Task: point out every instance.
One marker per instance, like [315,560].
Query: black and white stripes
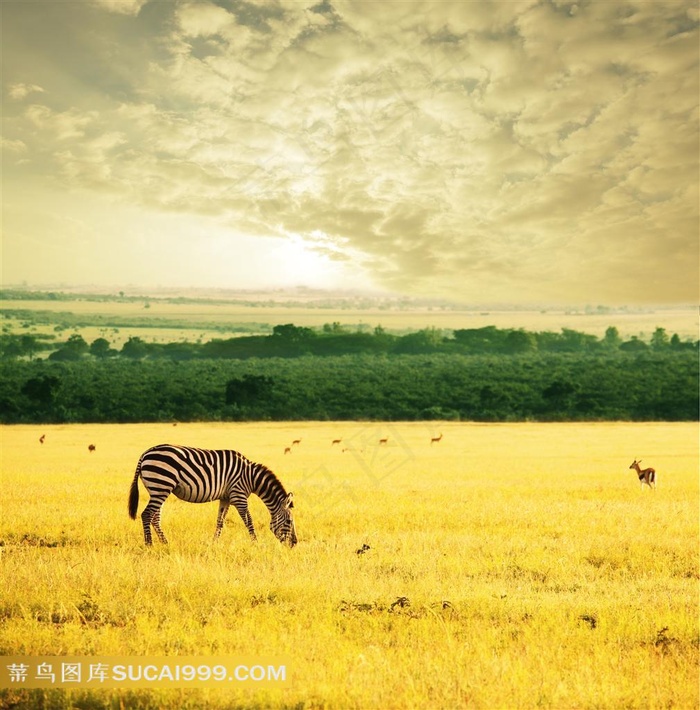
[204,475]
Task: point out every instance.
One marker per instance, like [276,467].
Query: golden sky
[521,152]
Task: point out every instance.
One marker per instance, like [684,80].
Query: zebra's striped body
[204,475]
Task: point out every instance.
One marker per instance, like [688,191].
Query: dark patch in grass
[260,599]
[364,607]
[663,642]
[56,616]
[530,575]
[87,613]
[401,602]
[590,619]
[33,540]
[401,606]
[90,611]
[9,611]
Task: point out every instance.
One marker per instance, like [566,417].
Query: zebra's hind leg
[151,516]
[156,526]
[146,520]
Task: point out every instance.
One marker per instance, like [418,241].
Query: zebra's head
[282,523]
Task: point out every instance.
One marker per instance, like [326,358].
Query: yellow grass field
[509,566]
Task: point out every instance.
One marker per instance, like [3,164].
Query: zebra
[203,475]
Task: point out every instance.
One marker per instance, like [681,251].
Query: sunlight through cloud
[509,151]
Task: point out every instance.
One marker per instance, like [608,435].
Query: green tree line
[334,340]
[636,385]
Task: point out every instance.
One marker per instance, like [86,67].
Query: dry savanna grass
[515,565]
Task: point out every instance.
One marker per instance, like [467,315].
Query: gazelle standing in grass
[646,475]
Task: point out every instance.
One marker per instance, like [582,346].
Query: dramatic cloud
[489,151]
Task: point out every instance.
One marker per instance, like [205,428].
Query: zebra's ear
[289,502]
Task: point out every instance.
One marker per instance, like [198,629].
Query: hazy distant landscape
[161,315]
[69,357]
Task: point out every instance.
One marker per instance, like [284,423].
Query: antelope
[91,448]
[335,441]
[296,441]
[287,450]
[436,439]
[41,438]
[384,441]
[646,475]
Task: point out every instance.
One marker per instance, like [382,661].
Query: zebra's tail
[134,492]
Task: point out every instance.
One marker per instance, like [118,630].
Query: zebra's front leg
[221,518]
[242,508]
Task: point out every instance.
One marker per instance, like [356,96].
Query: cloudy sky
[534,151]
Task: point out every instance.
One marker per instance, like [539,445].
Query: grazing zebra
[203,475]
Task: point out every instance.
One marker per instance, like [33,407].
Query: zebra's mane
[269,480]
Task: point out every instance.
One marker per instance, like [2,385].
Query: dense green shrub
[645,385]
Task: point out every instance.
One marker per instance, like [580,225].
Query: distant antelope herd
[647,476]
[91,447]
